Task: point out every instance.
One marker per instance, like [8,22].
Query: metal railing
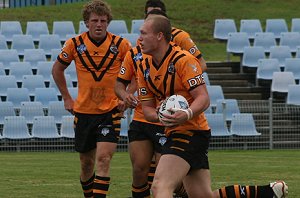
[278,123]
[25,3]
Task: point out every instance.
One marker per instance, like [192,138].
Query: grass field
[50,175]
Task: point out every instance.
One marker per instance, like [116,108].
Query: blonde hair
[96,6]
[161,24]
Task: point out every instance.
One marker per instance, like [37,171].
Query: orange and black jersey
[178,73]
[97,67]
[183,39]
[128,71]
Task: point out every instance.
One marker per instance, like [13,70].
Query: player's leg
[198,180]
[107,136]
[273,190]
[85,144]
[159,139]
[104,155]
[87,175]
[198,184]
[157,136]
[170,171]
[141,151]
[140,155]
[152,169]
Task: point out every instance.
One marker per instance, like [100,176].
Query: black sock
[87,187]
[101,185]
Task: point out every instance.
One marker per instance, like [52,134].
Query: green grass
[195,16]
[51,175]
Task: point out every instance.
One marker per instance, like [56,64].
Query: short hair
[96,6]
[156,12]
[155,3]
[161,24]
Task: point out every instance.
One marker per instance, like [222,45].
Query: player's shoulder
[177,31]
[118,38]
[180,51]
[182,55]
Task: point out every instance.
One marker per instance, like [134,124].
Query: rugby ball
[175,102]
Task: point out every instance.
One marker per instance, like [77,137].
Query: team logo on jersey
[65,55]
[98,94]
[146,74]
[162,140]
[195,69]
[113,48]
[81,48]
[193,50]
[157,77]
[105,131]
[171,68]
[138,57]
[197,80]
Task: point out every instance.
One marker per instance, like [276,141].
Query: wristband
[188,112]
[191,113]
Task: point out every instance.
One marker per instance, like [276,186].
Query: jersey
[97,67]
[128,71]
[183,39]
[179,73]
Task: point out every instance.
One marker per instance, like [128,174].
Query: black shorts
[145,131]
[192,146]
[93,128]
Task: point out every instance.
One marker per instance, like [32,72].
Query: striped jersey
[128,71]
[178,73]
[97,66]
[183,39]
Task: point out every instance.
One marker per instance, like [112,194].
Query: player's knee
[140,174]
[141,167]
[87,165]
[103,161]
[159,186]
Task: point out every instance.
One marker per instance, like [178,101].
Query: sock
[151,172]
[141,191]
[265,191]
[180,191]
[87,187]
[238,191]
[101,185]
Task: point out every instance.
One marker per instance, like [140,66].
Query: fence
[278,123]
[24,3]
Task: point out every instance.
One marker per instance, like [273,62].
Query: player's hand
[178,117]
[69,104]
[121,106]
[131,101]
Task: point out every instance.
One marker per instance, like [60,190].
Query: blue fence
[24,3]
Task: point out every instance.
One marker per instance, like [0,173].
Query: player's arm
[193,81]
[125,94]
[132,87]
[201,100]
[150,110]
[201,103]
[60,80]
[203,64]
[125,85]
